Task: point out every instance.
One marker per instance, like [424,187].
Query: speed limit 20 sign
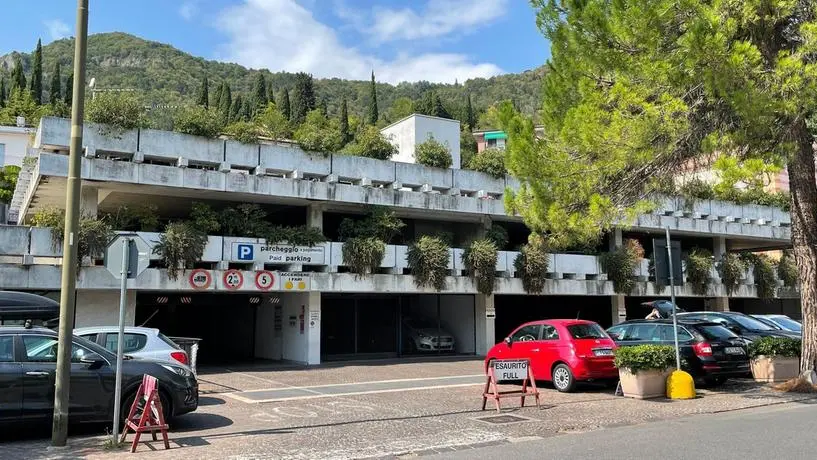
[264,280]
[233,279]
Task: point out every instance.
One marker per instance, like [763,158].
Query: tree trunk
[803,185]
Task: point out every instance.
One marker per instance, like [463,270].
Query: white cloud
[188,10]
[283,35]
[57,29]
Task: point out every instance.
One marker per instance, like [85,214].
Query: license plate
[734,351]
[603,352]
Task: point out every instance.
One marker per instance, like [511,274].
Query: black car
[741,324]
[28,361]
[709,351]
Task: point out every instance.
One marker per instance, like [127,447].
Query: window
[491,142]
[549,332]
[617,332]
[43,349]
[586,331]
[747,322]
[716,332]
[665,334]
[89,337]
[133,342]
[6,348]
[642,332]
[526,334]
[168,341]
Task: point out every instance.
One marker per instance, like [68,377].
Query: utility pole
[59,428]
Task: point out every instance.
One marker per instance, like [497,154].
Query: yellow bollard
[680,385]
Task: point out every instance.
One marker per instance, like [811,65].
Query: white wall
[416,129]
[267,341]
[303,347]
[401,135]
[13,141]
[101,308]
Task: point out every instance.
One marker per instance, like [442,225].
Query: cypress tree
[18,78]
[270,93]
[470,119]
[373,115]
[203,98]
[37,73]
[2,92]
[247,109]
[217,96]
[344,122]
[55,90]
[304,97]
[68,94]
[235,109]
[439,108]
[286,111]
[259,93]
[324,106]
[226,103]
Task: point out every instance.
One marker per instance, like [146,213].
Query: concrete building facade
[415,129]
[306,306]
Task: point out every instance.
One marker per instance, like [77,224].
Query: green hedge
[645,357]
[783,347]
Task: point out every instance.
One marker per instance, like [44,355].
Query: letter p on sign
[245,252]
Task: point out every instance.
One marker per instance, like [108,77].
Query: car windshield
[586,331]
[788,323]
[714,332]
[750,323]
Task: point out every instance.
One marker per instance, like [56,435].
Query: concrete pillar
[719,250]
[616,239]
[619,309]
[314,216]
[313,328]
[101,308]
[485,312]
[720,304]
[89,201]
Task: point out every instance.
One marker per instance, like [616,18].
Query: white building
[415,129]
[14,140]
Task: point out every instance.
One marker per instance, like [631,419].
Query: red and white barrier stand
[151,419]
[509,369]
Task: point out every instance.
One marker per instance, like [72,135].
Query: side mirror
[94,360]
[508,341]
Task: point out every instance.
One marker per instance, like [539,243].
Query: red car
[563,351]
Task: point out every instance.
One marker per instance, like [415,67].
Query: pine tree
[2,92]
[68,94]
[37,73]
[235,109]
[270,93]
[247,109]
[344,122]
[439,108]
[324,106]
[285,106]
[259,94]
[18,78]
[470,119]
[217,97]
[304,97]
[373,115]
[55,93]
[203,98]
[226,103]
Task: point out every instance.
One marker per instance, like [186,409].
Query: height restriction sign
[233,279]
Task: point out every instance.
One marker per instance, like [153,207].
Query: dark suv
[710,352]
[743,325]
[28,360]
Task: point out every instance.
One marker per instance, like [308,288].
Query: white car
[140,342]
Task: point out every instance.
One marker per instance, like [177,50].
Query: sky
[401,40]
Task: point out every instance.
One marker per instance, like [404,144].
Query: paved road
[770,432]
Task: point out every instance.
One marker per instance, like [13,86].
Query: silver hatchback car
[140,342]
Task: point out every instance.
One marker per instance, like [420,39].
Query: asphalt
[768,432]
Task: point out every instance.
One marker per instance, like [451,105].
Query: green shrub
[180,247]
[53,218]
[763,271]
[274,124]
[139,218]
[243,131]
[784,347]
[94,237]
[363,255]
[318,134]
[118,111]
[300,235]
[532,264]
[428,259]
[787,269]
[490,161]
[699,263]
[369,142]
[620,265]
[480,260]
[645,357]
[204,218]
[731,269]
[433,153]
[498,235]
[380,222]
[198,121]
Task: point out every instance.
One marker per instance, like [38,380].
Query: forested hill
[162,74]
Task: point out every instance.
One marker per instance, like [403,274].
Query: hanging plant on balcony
[620,265]
[92,239]
[787,269]
[363,255]
[498,235]
[731,268]
[51,218]
[763,271]
[180,247]
[428,259]
[532,264]
[479,259]
[699,263]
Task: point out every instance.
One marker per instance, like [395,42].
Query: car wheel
[563,378]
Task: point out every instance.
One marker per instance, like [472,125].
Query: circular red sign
[233,279]
[264,280]
[200,279]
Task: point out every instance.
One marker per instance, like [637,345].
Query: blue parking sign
[245,252]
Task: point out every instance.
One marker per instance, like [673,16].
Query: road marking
[353,393]
[307,388]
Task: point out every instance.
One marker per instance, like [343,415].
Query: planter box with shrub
[775,359]
[643,370]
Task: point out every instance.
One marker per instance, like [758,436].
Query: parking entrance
[513,310]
